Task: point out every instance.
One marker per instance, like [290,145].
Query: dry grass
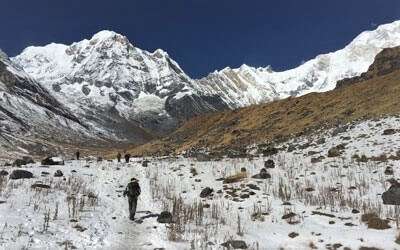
[235,178]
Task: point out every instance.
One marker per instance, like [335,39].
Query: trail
[144,232]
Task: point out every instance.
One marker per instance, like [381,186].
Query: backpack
[133,189]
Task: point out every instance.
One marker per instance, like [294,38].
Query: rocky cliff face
[29,114]
[385,62]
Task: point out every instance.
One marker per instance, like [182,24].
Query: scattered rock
[288,215]
[20,174]
[322,214]
[165,217]
[58,173]
[355,211]
[269,151]
[235,244]
[389,171]
[317,159]
[253,186]
[206,192]
[52,161]
[80,228]
[336,151]
[244,196]
[392,195]
[3,173]
[262,175]
[24,161]
[40,185]
[269,164]
[291,148]
[389,131]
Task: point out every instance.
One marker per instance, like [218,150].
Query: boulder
[58,173]
[3,173]
[269,151]
[52,161]
[253,186]
[392,196]
[165,217]
[336,151]
[389,171]
[40,185]
[235,244]
[24,161]
[269,164]
[262,175]
[206,192]
[20,174]
[389,131]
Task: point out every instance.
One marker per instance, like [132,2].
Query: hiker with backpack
[127,157]
[132,191]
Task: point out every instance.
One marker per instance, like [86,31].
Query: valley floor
[310,201]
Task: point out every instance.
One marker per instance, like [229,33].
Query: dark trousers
[132,207]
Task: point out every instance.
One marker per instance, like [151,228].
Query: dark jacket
[132,189]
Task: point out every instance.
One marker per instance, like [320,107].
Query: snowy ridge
[247,85]
[106,80]
[29,114]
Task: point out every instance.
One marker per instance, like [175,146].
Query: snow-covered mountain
[110,82]
[29,114]
[247,85]
[114,86]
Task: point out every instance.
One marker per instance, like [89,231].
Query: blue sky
[201,35]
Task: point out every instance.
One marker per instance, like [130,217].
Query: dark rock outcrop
[20,174]
[262,175]
[24,161]
[392,195]
[386,62]
[58,173]
[235,244]
[206,192]
[165,218]
[269,164]
[51,161]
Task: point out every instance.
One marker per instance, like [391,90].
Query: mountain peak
[105,34]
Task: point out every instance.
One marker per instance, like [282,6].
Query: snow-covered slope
[28,114]
[247,85]
[115,86]
[309,198]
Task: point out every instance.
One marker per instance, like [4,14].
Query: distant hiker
[132,191]
[119,157]
[127,157]
[78,154]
